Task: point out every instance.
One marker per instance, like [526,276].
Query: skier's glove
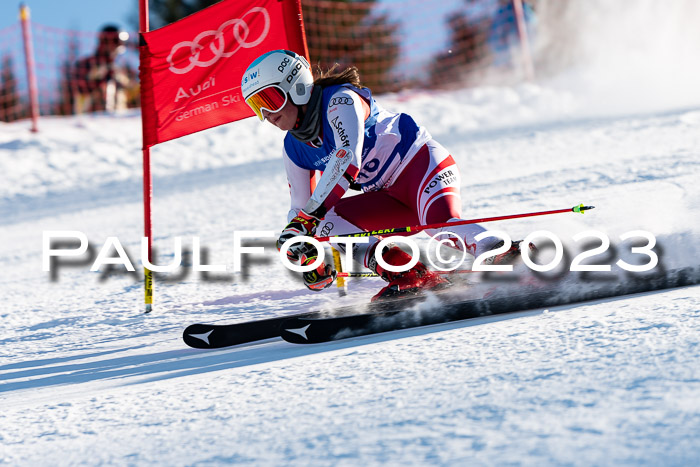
[302,225]
[320,278]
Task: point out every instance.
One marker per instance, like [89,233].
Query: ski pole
[419,228]
[357,274]
[371,274]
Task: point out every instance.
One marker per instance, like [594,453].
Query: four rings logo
[239,32]
[341,100]
[326,230]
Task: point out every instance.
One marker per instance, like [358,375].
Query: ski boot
[410,282]
[509,256]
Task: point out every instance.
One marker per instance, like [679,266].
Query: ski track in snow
[86,378]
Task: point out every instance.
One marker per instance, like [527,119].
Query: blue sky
[82,15]
[91,15]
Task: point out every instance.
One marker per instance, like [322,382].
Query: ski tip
[197,336]
[581,208]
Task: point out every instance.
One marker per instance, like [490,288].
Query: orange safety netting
[394,44]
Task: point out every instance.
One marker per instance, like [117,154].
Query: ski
[215,336]
[399,314]
[403,314]
[421,310]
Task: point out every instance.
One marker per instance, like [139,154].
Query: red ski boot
[409,282]
[509,256]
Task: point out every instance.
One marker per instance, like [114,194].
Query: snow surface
[87,378]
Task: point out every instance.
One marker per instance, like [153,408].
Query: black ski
[215,336]
[402,314]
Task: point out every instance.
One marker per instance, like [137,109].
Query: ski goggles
[271,98]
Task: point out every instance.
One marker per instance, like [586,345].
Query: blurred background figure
[99,83]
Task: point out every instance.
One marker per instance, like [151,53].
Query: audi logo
[341,100]
[240,31]
[326,230]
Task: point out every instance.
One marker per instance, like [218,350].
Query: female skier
[334,125]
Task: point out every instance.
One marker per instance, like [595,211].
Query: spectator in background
[98,82]
[503,33]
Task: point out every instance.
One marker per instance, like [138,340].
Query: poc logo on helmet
[283,65]
[283,68]
[294,72]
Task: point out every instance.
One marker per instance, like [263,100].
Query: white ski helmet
[282,68]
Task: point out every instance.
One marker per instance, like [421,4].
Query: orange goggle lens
[271,98]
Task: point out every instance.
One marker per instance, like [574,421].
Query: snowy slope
[87,378]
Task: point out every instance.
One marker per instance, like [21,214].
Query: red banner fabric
[191,70]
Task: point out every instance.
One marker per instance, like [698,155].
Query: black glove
[302,225]
[320,278]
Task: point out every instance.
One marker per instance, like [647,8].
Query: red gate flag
[191,70]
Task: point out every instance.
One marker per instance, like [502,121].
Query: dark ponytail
[328,78]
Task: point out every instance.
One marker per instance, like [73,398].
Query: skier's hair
[332,77]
